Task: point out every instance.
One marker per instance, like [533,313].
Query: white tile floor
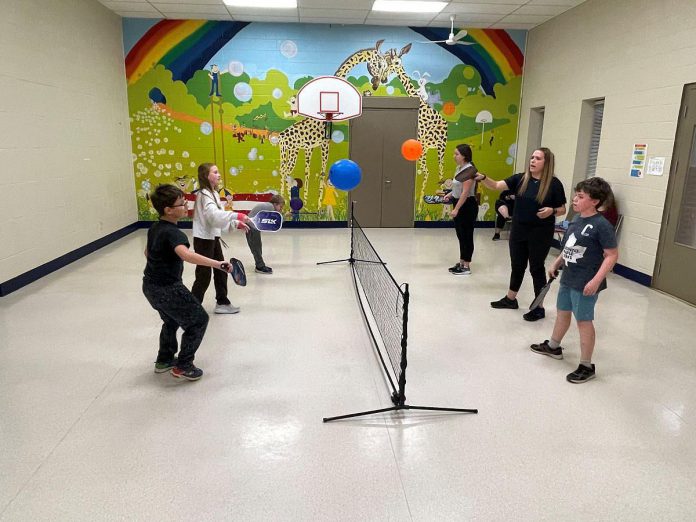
[89,432]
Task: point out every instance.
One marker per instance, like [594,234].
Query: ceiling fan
[453,39]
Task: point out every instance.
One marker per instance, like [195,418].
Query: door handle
[387,181]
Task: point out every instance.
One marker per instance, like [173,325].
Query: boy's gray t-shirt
[583,250]
[265,206]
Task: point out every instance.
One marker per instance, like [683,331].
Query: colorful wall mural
[225,92]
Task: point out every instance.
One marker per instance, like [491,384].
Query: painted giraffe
[432,128]
[308,134]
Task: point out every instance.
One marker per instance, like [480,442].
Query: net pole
[404,342]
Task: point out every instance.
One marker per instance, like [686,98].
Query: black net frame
[388,305]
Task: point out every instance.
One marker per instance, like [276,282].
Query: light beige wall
[65,167]
[637,54]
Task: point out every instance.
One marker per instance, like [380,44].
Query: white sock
[587,364]
[554,344]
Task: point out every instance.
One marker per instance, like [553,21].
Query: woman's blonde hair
[546,175]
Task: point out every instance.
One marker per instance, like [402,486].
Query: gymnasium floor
[89,432]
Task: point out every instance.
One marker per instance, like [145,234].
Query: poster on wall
[640,152]
[656,166]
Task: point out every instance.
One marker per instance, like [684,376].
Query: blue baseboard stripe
[32,275]
[633,275]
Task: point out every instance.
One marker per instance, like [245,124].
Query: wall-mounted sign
[640,152]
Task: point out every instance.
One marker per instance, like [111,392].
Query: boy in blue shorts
[588,254]
[167,249]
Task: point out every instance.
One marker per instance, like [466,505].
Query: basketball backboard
[329,98]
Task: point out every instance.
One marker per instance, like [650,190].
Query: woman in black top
[539,198]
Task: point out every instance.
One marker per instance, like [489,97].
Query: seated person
[503,210]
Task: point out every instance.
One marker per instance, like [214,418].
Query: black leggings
[529,245]
[209,248]
[464,226]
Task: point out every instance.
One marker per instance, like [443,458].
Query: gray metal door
[676,253]
[384,197]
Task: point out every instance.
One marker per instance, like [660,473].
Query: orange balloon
[411,149]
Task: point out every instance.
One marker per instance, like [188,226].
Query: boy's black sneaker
[496,236]
[505,303]
[190,373]
[161,367]
[545,349]
[461,270]
[582,374]
[264,270]
[535,315]
[455,267]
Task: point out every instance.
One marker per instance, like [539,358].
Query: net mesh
[384,297]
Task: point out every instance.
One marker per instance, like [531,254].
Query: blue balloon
[345,174]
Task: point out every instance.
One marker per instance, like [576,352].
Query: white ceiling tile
[190,2]
[138,14]
[467,25]
[188,8]
[336,4]
[196,16]
[462,20]
[513,26]
[238,12]
[550,10]
[332,21]
[526,19]
[266,18]
[332,13]
[569,3]
[130,6]
[501,9]
[491,2]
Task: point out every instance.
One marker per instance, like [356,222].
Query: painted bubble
[206,128]
[337,136]
[288,48]
[242,91]
[277,93]
[236,68]
[253,154]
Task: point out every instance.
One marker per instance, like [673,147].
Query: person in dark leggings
[539,198]
[463,197]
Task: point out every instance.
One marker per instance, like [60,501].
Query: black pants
[464,226]
[529,245]
[178,308]
[209,248]
[253,238]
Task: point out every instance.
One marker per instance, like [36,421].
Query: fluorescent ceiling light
[263,4]
[404,6]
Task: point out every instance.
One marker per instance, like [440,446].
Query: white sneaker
[226,309]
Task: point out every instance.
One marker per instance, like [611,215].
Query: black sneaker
[455,267]
[545,349]
[461,270]
[496,237]
[582,374]
[161,367]
[264,270]
[535,315]
[190,373]
[505,303]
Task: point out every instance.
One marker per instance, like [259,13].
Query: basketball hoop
[328,121]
